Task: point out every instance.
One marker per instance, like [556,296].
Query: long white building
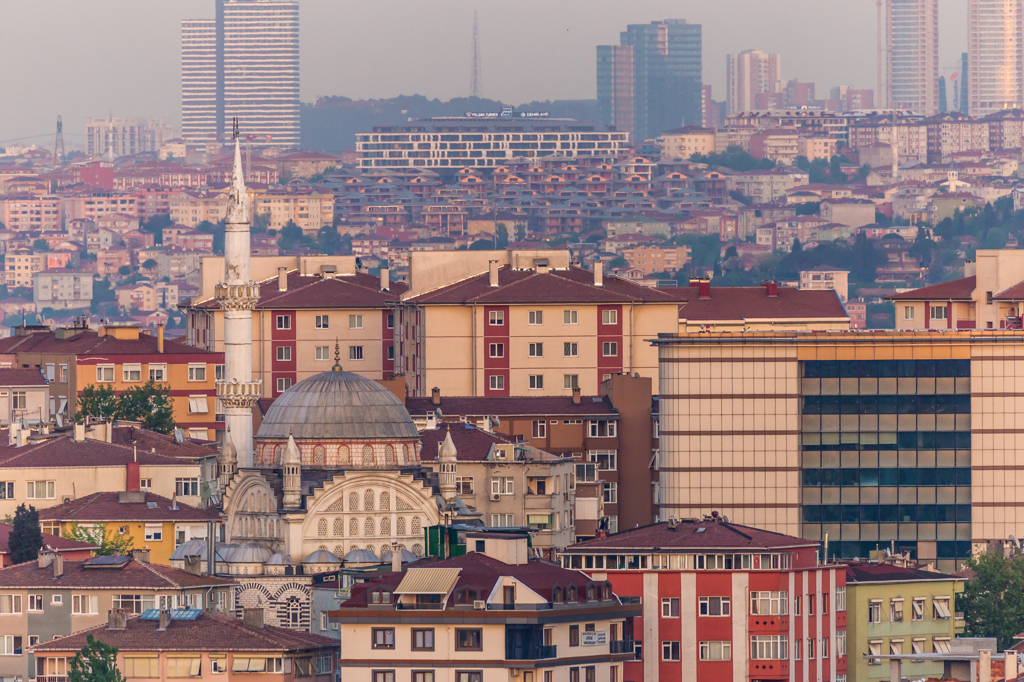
[912,55]
[125,136]
[748,74]
[199,80]
[995,55]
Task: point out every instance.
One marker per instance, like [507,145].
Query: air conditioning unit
[480,605]
[514,672]
[495,497]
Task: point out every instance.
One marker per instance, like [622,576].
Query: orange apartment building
[652,259]
[31,212]
[95,204]
[310,209]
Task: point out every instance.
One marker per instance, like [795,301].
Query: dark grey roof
[337,404]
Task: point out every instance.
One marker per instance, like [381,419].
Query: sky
[97,57]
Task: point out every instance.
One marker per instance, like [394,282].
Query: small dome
[406,555]
[224,550]
[280,559]
[321,556]
[189,548]
[337,404]
[250,553]
[361,556]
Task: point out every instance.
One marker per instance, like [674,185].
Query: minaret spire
[237,296]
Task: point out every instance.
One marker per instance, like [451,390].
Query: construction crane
[58,145]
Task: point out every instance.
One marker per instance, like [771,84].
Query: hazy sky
[93,57]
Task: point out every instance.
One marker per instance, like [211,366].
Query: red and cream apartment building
[723,601]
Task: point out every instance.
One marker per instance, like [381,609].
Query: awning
[428,581]
[942,608]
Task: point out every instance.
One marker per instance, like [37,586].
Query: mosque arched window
[321,528]
[353,527]
[385,526]
[385,501]
[417,525]
[368,500]
[367,455]
[401,526]
[339,527]
[368,527]
[353,502]
[319,455]
[389,455]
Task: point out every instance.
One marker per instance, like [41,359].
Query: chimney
[45,559]
[493,268]
[985,665]
[192,565]
[385,279]
[703,287]
[117,619]
[160,338]
[253,618]
[132,483]
[598,273]
[23,437]
[396,559]
[772,287]
[1010,664]
[79,433]
[12,433]
[282,279]
[435,396]
[575,395]
[165,620]
[58,564]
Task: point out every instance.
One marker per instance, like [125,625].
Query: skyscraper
[255,67]
[912,55]
[199,79]
[995,79]
[665,92]
[750,73]
[615,85]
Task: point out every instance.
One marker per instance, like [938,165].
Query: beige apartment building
[62,289]
[652,259]
[682,143]
[93,205]
[20,267]
[825,277]
[310,209]
[30,212]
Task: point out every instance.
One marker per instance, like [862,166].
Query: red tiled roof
[754,303]
[158,443]
[131,574]
[50,541]
[511,406]
[572,285]
[1014,293]
[688,535]
[472,443]
[107,507]
[63,451]
[866,572]
[21,377]
[89,342]
[359,290]
[208,632]
[958,289]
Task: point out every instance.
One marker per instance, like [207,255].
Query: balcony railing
[621,646]
[51,678]
[532,653]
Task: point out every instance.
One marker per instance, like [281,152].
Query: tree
[501,236]
[993,600]
[808,208]
[149,404]
[109,543]
[261,222]
[291,234]
[96,662]
[735,158]
[329,240]
[41,245]
[97,401]
[149,264]
[836,170]
[124,271]
[26,539]
[156,225]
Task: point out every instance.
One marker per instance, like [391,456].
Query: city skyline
[514,71]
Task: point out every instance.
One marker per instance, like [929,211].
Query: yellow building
[652,259]
[310,209]
[682,143]
[191,207]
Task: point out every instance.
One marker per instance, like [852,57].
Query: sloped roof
[131,574]
[471,443]
[693,534]
[1014,293]
[869,572]
[51,541]
[512,406]
[89,342]
[21,377]
[106,506]
[63,451]
[754,303]
[958,289]
[359,290]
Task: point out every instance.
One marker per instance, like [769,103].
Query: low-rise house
[24,394]
[71,550]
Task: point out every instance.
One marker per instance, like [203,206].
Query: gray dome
[250,553]
[280,559]
[321,556]
[361,556]
[406,555]
[189,548]
[337,404]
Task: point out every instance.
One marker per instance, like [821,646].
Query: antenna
[58,145]
[475,86]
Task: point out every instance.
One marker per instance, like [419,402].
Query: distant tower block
[476,86]
[58,145]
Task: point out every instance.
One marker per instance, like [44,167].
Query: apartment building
[24,394]
[125,136]
[483,614]
[93,204]
[51,598]
[71,550]
[62,289]
[31,212]
[310,209]
[912,55]
[682,143]
[748,74]
[724,601]
[781,146]
[826,277]
[995,56]
[652,259]
[21,265]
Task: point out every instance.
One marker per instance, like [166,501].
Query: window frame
[126,371]
[197,372]
[425,632]
[570,317]
[283,322]
[355,353]
[670,650]
[612,346]
[536,349]
[609,318]
[496,318]
[536,382]
[284,353]
[570,349]
[535,318]
[461,645]
[322,322]
[379,638]
[102,370]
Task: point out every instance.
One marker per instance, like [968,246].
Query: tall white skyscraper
[255,68]
[995,55]
[912,55]
[750,73]
[199,80]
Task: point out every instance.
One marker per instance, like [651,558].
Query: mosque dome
[337,404]
[250,553]
[361,556]
[406,555]
[280,559]
[321,556]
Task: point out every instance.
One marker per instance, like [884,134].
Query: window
[875,649]
[797,651]
[63,374]
[768,603]
[422,676]
[540,428]
[714,606]
[383,638]
[810,648]
[145,666]
[154,533]
[536,317]
[284,353]
[197,372]
[185,487]
[824,647]
[606,459]
[941,645]
[570,350]
[464,485]
[423,639]
[940,607]
[391,352]
[824,603]
[908,312]
[183,667]
[283,384]
[383,676]
[841,643]
[467,639]
[875,612]
[131,373]
[105,373]
[497,318]
[611,493]
[380,597]
[602,428]
[938,312]
[6,490]
[609,317]
[323,353]
[810,604]
[536,350]
[570,317]
[670,608]
[716,651]
[497,382]
[322,664]
[284,321]
[355,352]
[586,473]
[918,609]
[895,647]
[503,520]
[81,605]
[840,598]
[322,322]
[19,400]
[796,605]
[133,603]
[10,604]
[35,602]
[670,651]
[896,611]
[218,664]
[197,404]
[40,490]
[610,349]
[503,485]
[497,350]
[571,380]
[158,372]
[536,381]
[476,676]
[769,647]
[574,675]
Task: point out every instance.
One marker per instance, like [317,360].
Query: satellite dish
[1016,542]
[179,435]
[495,421]
[39,318]
[438,414]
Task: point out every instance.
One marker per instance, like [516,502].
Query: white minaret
[237,296]
[447,457]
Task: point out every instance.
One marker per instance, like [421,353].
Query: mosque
[332,478]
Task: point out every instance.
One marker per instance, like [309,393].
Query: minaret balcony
[236,393]
[237,296]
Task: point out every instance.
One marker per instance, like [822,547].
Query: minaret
[237,296]
[292,465]
[447,457]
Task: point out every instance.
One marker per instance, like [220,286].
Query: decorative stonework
[237,296]
[242,394]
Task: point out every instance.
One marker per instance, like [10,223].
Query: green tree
[501,236]
[149,404]
[156,225]
[217,230]
[26,539]
[808,208]
[109,543]
[124,271]
[41,245]
[835,169]
[731,252]
[481,245]
[97,401]
[735,158]
[328,240]
[96,662]
[149,264]
[260,222]
[993,600]
[291,235]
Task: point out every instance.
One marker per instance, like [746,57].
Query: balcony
[531,653]
[621,646]
[51,678]
[769,670]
